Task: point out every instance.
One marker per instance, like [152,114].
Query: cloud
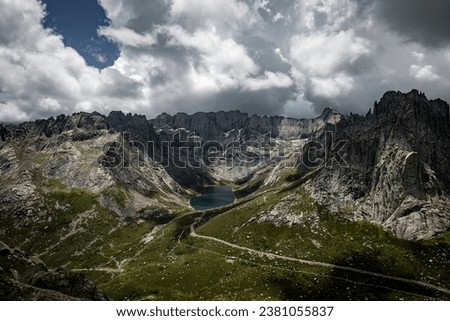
[267,81]
[328,15]
[291,57]
[332,87]
[425,73]
[224,14]
[201,62]
[323,54]
[328,64]
[418,55]
[426,22]
[222,60]
[127,37]
[140,16]
[14,27]
[101,58]
[36,67]
[41,77]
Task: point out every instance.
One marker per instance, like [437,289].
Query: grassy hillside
[140,258]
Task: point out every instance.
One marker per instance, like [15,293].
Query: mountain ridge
[409,122]
[371,193]
[406,134]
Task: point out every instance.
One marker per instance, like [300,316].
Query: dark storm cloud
[427,22]
[260,102]
[124,87]
[264,52]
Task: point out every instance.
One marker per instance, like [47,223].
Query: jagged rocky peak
[161,120]
[397,170]
[222,120]
[212,125]
[84,120]
[136,125]
[330,115]
[395,102]
[235,124]
[89,123]
[120,121]
[229,120]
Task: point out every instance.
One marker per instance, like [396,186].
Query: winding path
[316,263]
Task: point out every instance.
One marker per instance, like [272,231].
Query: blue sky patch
[77,21]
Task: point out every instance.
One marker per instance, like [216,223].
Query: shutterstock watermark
[189,151]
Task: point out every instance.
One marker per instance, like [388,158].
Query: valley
[367,219]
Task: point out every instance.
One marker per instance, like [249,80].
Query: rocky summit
[397,167]
[336,207]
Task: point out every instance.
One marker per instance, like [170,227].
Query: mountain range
[336,207]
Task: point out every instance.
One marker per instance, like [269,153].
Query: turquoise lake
[212,197]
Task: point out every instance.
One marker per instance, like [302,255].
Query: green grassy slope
[130,259]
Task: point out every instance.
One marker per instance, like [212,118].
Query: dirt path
[316,263]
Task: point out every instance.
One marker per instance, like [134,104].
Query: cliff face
[240,137]
[234,125]
[398,166]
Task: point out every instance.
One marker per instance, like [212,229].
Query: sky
[77,21]
[283,57]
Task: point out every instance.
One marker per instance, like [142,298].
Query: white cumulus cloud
[425,73]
